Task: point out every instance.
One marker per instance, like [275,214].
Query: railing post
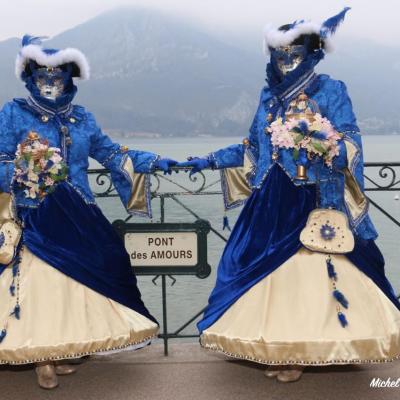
[164,287]
[164,304]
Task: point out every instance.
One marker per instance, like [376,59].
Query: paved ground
[190,373]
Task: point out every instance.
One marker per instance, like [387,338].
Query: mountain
[152,72]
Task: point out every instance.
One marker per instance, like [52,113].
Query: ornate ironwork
[379,176]
[388,173]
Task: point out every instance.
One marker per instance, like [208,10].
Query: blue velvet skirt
[75,238]
[267,234]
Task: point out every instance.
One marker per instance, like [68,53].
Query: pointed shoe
[273,370]
[46,376]
[65,369]
[290,375]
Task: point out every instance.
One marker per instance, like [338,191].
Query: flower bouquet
[313,134]
[38,167]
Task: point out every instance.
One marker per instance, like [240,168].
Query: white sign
[168,249]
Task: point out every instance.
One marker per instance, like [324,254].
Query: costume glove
[197,164]
[165,164]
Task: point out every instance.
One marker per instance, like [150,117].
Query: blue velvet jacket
[334,183]
[20,116]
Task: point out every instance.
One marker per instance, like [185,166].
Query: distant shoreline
[153,135]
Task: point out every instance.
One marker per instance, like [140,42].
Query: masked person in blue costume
[301,281]
[68,289]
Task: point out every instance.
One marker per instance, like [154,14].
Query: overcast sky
[376,20]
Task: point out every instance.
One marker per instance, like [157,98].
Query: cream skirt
[290,317]
[61,318]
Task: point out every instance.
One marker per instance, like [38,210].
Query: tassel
[331,269]
[342,319]
[3,334]
[12,289]
[226,224]
[17,311]
[340,298]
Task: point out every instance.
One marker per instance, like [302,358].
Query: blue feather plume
[340,298]
[28,39]
[303,126]
[3,334]
[319,135]
[331,270]
[17,311]
[342,319]
[295,23]
[331,24]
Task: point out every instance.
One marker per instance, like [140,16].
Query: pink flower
[48,181]
[43,163]
[282,139]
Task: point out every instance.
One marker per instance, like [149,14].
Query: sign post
[166,249]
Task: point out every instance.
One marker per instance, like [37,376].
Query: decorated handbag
[327,231]
[10,232]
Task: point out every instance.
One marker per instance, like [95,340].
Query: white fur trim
[36,53]
[276,38]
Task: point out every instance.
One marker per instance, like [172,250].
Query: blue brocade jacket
[129,168]
[340,187]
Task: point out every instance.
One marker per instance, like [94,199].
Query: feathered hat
[32,50]
[276,38]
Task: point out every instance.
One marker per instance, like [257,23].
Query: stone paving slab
[190,373]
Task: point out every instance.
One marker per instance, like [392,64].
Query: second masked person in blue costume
[69,290]
[295,287]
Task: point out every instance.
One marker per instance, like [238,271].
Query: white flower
[30,193]
[32,176]
[56,158]
[54,169]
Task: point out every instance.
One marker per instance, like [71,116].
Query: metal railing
[379,177]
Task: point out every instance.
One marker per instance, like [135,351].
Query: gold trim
[295,362]
[79,355]
[137,200]
[355,199]
[5,207]
[236,183]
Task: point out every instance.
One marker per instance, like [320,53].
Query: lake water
[189,294]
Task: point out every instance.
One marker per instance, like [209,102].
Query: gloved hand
[196,163]
[165,164]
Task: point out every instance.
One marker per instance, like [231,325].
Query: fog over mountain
[152,72]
